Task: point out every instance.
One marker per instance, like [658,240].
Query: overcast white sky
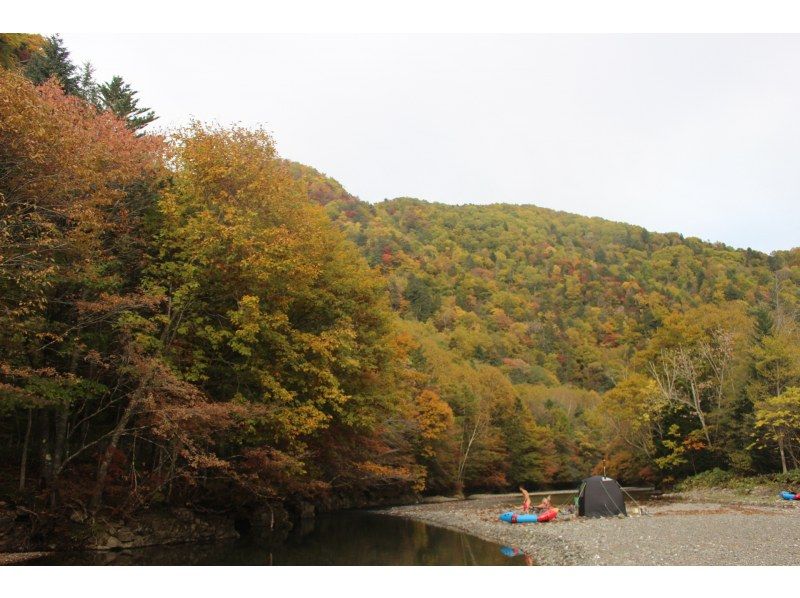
[699,135]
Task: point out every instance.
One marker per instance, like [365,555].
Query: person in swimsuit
[526,500]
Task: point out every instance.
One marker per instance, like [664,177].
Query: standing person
[526,500]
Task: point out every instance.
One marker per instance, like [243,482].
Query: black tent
[600,496]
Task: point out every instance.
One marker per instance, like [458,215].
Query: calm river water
[345,538]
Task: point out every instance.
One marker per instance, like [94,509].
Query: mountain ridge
[335,187]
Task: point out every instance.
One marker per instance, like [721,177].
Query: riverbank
[17,558]
[676,530]
[26,534]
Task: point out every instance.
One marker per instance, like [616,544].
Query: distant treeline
[189,318]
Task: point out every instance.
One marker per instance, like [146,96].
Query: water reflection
[350,538]
[516,553]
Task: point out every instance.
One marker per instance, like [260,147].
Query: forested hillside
[191,319]
[665,354]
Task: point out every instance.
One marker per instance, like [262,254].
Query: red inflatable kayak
[547,515]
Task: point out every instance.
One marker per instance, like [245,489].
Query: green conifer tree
[118,97]
[89,90]
[54,61]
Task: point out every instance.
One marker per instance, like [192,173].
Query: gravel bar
[671,533]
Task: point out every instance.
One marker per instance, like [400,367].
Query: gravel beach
[678,531]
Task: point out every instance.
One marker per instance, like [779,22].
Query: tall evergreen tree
[54,61]
[118,97]
[89,89]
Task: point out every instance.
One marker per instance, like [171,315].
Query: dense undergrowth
[719,478]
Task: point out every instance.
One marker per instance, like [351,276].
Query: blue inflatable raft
[788,495]
[511,517]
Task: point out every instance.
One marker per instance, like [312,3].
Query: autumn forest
[188,318]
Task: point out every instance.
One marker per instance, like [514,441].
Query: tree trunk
[62,421]
[783,454]
[60,439]
[705,428]
[173,461]
[45,452]
[791,453]
[462,466]
[102,470]
[59,442]
[23,465]
[699,410]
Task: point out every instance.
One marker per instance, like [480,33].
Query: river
[344,538]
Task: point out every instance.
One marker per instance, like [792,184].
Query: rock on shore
[16,558]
